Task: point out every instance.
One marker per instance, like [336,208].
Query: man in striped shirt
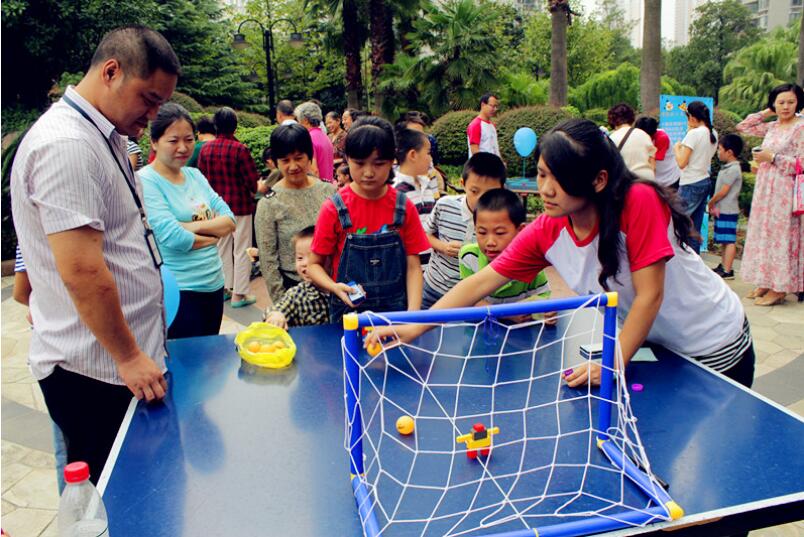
[449,226]
[97,293]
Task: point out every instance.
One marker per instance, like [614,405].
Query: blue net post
[351,339]
[607,371]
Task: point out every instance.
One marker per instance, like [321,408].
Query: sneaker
[723,273]
[247,301]
[227,294]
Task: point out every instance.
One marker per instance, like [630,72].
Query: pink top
[323,154]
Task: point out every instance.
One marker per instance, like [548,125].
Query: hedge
[186,101]
[540,119]
[747,193]
[450,131]
[598,115]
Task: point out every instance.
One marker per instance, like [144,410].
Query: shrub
[725,122]
[250,120]
[747,193]
[186,101]
[539,118]
[598,115]
[450,131]
[18,118]
[256,139]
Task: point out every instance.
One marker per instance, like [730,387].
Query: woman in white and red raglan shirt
[602,229]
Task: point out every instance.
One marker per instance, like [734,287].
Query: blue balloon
[525,141]
[172,296]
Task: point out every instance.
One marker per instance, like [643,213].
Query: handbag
[798,190]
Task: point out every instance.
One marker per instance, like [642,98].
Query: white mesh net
[544,467]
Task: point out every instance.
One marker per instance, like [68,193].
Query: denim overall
[376,261]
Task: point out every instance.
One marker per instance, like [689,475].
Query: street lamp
[239,42]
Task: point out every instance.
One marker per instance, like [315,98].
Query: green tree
[618,85]
[611,16]
[721,29]
[458,56]
[59,36]
[756,69]
[523,89]
[589,47]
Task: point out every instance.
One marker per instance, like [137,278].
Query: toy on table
[265,345]
[356,297]
[405,425]
[478,441]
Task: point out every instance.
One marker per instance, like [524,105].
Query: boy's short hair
[647,124]
[731,142]
[266,154]
[286,139]
[502,199]
[306,233]
[406,140]
[285,107]
[205,125]
[485,165]
[484,99]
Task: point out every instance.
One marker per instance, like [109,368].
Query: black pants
[199,314]
[88,412]
[743,371]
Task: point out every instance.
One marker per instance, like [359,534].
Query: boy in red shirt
[370,231]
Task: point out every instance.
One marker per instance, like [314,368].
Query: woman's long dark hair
[576,151]
[700,111]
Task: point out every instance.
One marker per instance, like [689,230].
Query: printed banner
[673,114]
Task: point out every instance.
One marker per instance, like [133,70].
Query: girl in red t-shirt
[602,229]
[369,231]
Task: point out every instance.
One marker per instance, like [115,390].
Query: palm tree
[650,75]
[754,71]
[560,14]
[381,26]
[458,56]
[351,38]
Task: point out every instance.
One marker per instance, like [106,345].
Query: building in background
[770,14]
[237,6]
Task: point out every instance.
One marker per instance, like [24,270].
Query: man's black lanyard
[150,240]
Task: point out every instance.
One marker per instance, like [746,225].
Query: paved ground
[29,494]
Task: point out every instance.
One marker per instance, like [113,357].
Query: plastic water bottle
[81,509]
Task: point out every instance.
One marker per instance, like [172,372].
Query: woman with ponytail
[605,230]
[694,155]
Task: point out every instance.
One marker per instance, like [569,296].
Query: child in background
[342,176]
[499,217]
[274,174]
[451,224]
[602,230]
[724,205]
[303,304]
[370,231]
[413,157]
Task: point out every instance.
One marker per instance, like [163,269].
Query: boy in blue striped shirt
[450,225]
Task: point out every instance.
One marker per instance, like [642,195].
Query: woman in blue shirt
[188,218]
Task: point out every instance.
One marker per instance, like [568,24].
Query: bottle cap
[75,472]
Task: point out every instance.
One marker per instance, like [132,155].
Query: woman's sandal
[770,299]
[758,292]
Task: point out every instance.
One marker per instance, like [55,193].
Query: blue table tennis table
[238,451]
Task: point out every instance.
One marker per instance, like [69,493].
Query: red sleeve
[645,220]
[325,237]
[473,131]
[662,143]
[524,258]
[413,236]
